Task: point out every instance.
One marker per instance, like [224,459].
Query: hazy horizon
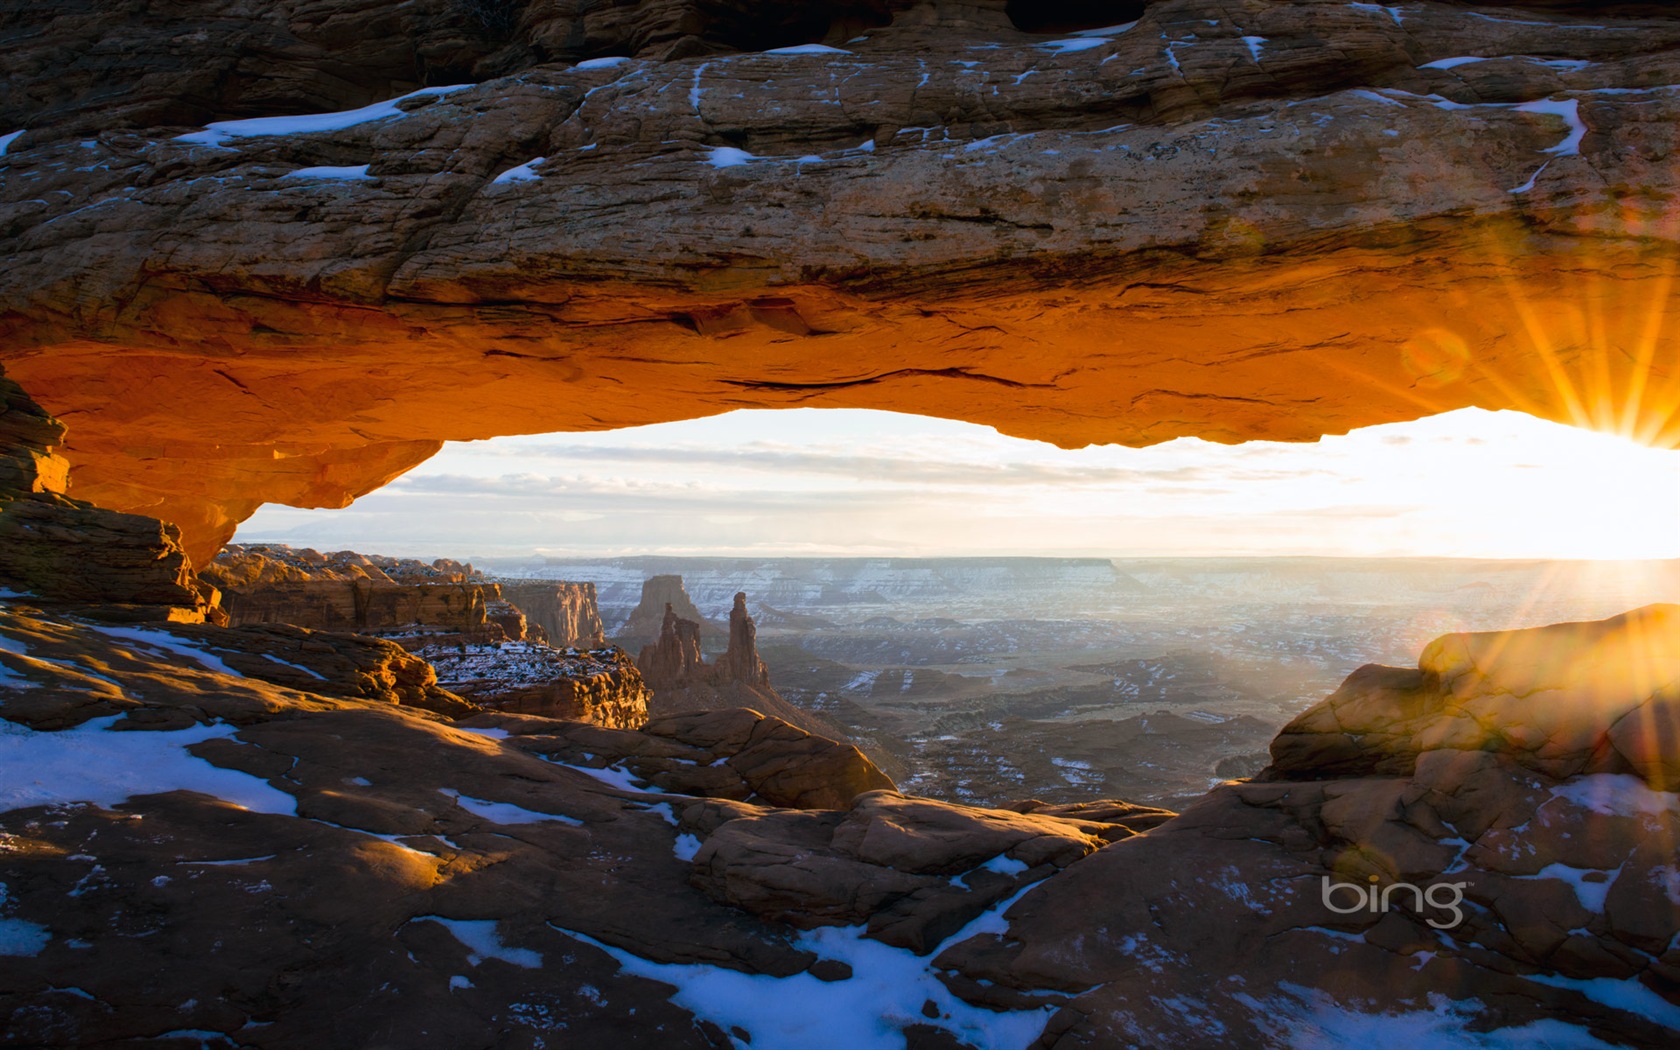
[852,483]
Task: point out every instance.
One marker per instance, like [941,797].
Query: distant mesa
[647,620]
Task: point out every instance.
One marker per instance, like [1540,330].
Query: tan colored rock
[740,662]
[662,596]
[1569,699]
[1153,236]
[674,661]
[914,870]
[683,683]
[60,549]
[737,754]
[567,613]
[601,686]
[783,764]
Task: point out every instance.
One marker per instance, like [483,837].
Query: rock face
[527,873]
[913,870]
[58,548]
[1565,700]
[733,753]
[683,683]
[417,602]
[674,661]
[567,613]
[1272,219]
[245,565]
[342,665]
[661,596]
[601,686]
[740,662]
[1487,809]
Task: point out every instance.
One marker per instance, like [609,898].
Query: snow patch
[479,937]
[6,141]
[1452,63]
[1617,795]
[686,847]
[867,1011]
[1254,44]
[728,157]
[305,123]
[1313,1019]
[338,173]
[807,49]
[1590,892]
[18,937]
[1570,111]
[519,173]
[1105,31]
[1082,43]
[169,643]
[295,667]
[505,812]
[602,63]
[91,763]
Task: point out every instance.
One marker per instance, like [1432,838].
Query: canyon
[272,798]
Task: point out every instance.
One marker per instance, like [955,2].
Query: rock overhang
[1278,221]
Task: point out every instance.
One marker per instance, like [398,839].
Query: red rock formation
[740,662]
[601,686]
[661,595]
[683,683]
[567,613]
[674,661]
[61,549]
[1303,220]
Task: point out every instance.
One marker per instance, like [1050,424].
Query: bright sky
[853,482]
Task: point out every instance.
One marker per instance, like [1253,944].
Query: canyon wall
[567,612]
[1258,220]
[61,549]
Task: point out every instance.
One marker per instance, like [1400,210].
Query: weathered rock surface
[740,661]
[732,753]
[914,871]
[662,597]
[245,565]
[57,548]
[675,660]
[383,880]
[683,683]
[520,877]
[1238,220]
[567,613]
[601,686]
[1565,700]
[1226,919]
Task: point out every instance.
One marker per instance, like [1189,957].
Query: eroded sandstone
[1257,220]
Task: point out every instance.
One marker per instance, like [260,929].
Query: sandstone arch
[1266,220]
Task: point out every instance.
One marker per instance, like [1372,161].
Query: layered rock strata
[731,753]
[662,596]
[567,613]
[1259,220]
[56,548]
[682,682]
[601,686]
